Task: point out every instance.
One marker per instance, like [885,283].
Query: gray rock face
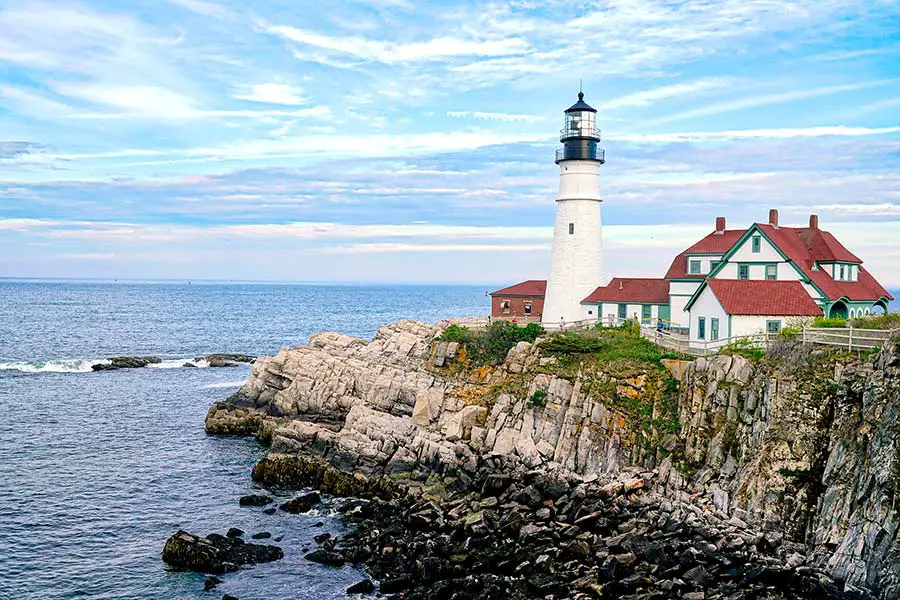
[806,450]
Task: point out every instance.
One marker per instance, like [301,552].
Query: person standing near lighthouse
[576,256]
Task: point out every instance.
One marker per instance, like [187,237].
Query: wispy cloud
[272,93]
[675,90]
[765,100]
[492,116]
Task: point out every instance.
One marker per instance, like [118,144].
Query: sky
[413,141]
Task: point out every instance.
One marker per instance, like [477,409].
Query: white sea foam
[177,363]
[224,384]
[75,365]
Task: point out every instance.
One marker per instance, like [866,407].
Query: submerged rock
[332,559]
[215,553]
[255,500]
[363,587]
[301,504]
[127,362]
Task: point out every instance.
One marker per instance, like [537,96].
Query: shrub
[885,321]
[607,345]
[455,333]
[833,322]
[538,399]
[492,344]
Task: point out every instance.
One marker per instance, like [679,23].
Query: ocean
[98,469]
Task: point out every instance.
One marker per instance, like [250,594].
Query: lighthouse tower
[576,257]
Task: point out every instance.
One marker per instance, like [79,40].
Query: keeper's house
[737,282]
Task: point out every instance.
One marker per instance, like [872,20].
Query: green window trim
[714,329]
[623,311]
[743,271]
[757,244]
[646,312]
[694,267]
[773,327]
[701,328]
[772,272]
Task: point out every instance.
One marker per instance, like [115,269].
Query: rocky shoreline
[718,478]
[115,363]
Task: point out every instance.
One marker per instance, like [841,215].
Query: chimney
[620,284]
[773,217]
[813,221]
[720,225]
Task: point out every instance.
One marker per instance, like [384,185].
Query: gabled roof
[806,246]
[761,297]
[630,289]
[714,243]
[532,288]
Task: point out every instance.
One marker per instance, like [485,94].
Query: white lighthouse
[576,257]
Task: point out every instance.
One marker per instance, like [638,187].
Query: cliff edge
[801,446]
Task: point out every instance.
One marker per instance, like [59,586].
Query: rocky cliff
[801,446]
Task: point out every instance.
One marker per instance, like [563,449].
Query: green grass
[608,345]
[744,347]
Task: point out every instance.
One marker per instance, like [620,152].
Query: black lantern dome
[580,136]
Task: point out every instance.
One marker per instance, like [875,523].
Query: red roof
[762,297]
[714,243]
[532,287]
[805,246]
[626,289]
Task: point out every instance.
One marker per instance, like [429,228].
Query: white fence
[851,338]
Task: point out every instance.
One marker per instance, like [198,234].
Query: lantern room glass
[581,124]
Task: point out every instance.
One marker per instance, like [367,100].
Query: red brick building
[523,302]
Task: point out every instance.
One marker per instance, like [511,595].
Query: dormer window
[843,273]
[756,244]
[694,267]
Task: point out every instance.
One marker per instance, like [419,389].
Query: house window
[713,329]
[773,327]
[756,243]
[504,305]
[645,312]
[842,273]
[714,265]
[701,328]
[623,311]
[695,267]
[743,271]
[571,228]
[528,308]
[771,272]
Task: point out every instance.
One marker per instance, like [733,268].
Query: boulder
[301,504]
[255,500]
[332,559]
[215,553]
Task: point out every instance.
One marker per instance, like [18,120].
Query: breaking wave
[75,365]
[224,384]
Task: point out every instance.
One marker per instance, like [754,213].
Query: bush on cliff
[490,346]
[607,345]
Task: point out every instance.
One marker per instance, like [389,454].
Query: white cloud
[203,7]
[426,247]
[492,116]
[765,100]
[437,48]
[651,96]
[744,134]
[147,100]
[272,93]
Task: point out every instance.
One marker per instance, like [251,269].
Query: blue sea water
[97,469]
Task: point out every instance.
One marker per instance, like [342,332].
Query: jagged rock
[214,553]
[210,583]
[234,532]
[801,450]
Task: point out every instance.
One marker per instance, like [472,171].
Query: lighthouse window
[528,308]
[571,228]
